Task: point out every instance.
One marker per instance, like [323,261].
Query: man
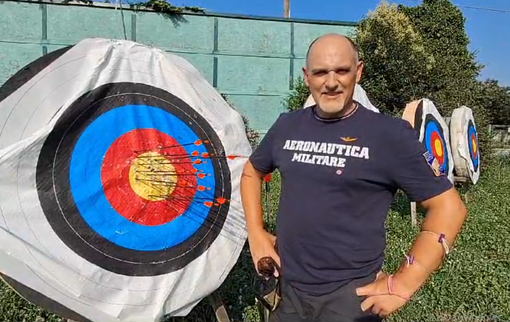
[341,165]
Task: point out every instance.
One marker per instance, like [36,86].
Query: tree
[454,74]
[496,100]
[422,51]
[397,62]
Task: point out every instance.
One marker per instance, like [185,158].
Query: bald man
[341,165]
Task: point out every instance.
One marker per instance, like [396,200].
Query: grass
[472,285]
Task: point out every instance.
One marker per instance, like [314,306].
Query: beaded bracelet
[442,240]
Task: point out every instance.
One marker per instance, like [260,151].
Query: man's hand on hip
[378,300]
[262,244]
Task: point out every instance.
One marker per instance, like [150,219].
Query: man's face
[331,74]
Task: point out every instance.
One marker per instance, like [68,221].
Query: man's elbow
[250,173]
[458,207]
[449,204]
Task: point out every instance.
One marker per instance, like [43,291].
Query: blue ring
[87,186]
[471,131]
[430,128]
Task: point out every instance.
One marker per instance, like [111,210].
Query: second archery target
[465,147]
[120,199]
[433,132]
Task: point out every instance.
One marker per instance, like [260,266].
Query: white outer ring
[464,166]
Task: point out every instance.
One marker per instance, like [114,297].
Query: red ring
[473,142]
[433,138]
[117,187]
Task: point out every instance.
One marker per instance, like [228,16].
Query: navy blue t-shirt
[339,179]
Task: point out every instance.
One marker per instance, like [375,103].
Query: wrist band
[442,240]
[390,289]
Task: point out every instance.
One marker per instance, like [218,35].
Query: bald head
[332,70]
[329,41]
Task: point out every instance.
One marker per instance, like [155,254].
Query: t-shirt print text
[324,153]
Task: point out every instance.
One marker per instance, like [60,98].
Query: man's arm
[413,172]
[445,214]
[251,194]
[260,163]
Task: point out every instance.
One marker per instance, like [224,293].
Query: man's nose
[331,81]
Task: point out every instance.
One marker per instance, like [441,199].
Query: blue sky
[488,30]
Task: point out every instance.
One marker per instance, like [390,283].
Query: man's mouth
[332,94]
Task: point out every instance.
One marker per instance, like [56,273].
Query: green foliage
[397,63]
[416,52]
[14,308]
[422,52]
[453,76]
[298,96]
[496,100]
[166,7]
[160,6]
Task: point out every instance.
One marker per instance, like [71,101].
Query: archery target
[121,192]
[360,95]
[434,133]
[465,148]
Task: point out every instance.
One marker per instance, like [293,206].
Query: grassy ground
[473,285]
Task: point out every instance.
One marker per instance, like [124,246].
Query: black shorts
[343,305]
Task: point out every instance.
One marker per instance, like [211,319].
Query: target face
[140,160]
[466,153]
[434,133]
[120,197]
[473,145]
[435,142]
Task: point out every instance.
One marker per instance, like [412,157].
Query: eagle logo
[348,139]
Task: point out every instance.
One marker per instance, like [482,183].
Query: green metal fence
[253,60]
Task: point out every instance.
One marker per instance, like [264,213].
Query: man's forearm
[427,251]
[251,195]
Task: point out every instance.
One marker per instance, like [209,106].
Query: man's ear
[359,71]
[305,74]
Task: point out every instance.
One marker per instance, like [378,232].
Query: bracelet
[412,260]
[442,240]
[390,289]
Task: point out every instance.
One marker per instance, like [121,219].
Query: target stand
[119,194]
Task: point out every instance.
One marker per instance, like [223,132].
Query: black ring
[56,199]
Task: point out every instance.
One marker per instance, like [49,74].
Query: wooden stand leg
[219,309]
[414,221]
